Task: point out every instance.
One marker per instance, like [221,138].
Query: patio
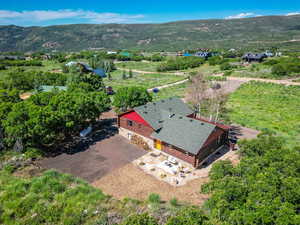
[174,171]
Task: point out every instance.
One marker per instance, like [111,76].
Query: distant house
[269,54]
[170,126]
[48,88]
[85,68]
[100,72]
[257,57]
[204,55]
[127,54]
[72,63]
[187,54]
[111,53]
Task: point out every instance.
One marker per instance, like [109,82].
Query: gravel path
[153,72]
[246,79]
[169,85]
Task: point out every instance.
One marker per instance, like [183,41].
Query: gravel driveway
[97,161]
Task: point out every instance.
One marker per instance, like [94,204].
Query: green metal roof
[185,133]
[156,112]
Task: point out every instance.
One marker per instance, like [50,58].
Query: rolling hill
[258,32]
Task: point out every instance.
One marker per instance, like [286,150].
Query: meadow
[267,106]
[143,80]
[174,91]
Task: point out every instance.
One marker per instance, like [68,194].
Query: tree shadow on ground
[103,129]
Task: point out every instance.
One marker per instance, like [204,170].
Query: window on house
[129,123]
[140,126]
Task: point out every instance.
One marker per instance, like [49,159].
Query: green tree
[109,76]
[130,75]
[129,97]
[188,216]
[47,118]
[124,75]
[262,189]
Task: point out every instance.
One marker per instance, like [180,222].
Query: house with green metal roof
[169,125]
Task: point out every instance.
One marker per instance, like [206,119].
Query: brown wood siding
[217,139]
[136,127]
[178,153]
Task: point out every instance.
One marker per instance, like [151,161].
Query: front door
[158,144]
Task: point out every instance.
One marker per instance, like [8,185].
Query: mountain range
[282,32]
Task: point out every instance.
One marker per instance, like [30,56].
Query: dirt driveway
[130,181]
[98,160]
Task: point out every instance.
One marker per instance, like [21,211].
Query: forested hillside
[260,32]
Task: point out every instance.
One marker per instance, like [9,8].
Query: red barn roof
[135,117]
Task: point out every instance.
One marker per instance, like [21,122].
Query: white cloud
[293,14]
[40,16]
[242,15]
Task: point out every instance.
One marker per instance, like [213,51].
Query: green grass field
[263,105]
[176,90]
[144,80]
[144,66]
[48,66]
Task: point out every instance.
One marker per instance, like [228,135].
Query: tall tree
[129,97]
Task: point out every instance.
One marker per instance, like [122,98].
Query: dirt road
[246,79]
[153,72]
[169,85]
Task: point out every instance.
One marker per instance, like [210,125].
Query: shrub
[279,70]
[21,63]
[227,73]
[180,63]
[216,60]
[226,66]
[140,219]
[188,216]
[33,153]
[154,198]
[174,202]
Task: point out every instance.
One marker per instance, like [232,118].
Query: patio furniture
[172,160]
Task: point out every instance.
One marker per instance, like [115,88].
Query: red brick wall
[178,153]
[136,127]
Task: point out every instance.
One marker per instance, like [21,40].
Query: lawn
[264,105]
[48,65]
[176,90]
[144,66]
[144,80]
[151,67]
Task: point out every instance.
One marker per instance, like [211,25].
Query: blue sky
[52,12]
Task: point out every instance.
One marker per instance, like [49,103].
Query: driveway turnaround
[98,160]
